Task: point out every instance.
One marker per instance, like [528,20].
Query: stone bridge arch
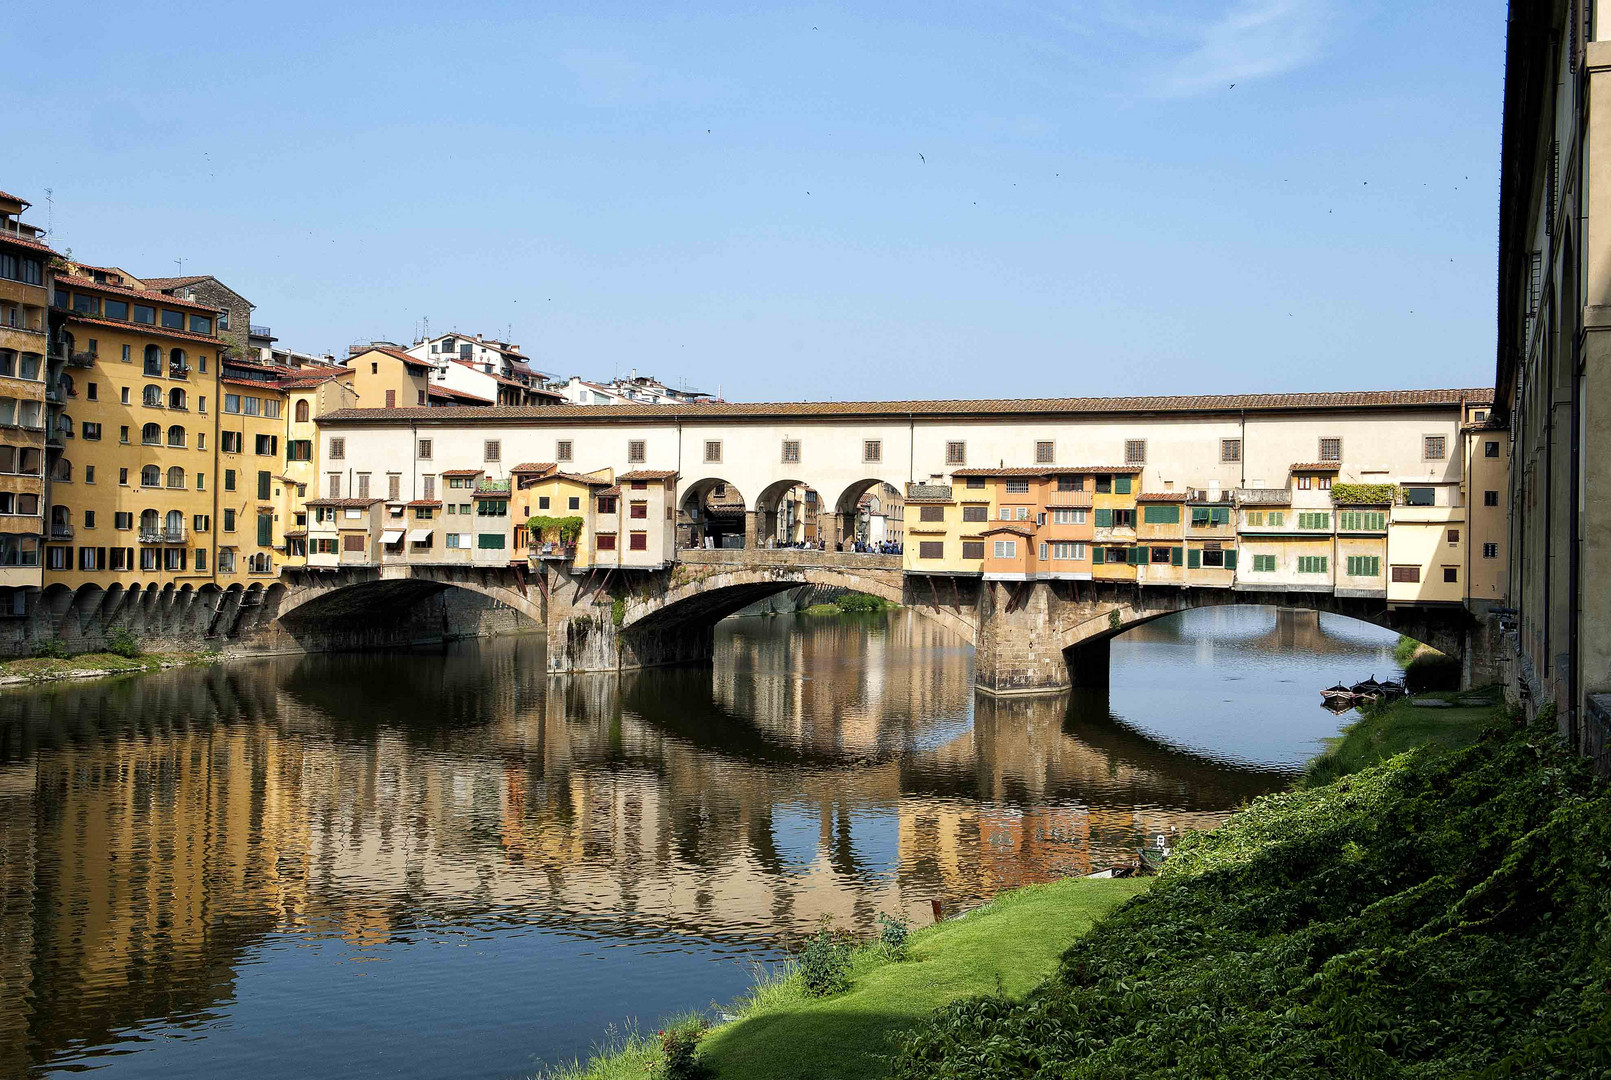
[369,607]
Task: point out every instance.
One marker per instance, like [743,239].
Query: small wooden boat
[1369,690]
[1337,693]
[1391,688]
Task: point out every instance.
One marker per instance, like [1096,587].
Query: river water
[439,863]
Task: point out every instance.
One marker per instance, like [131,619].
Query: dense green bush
[52,649]
[1433,916]
[120,641]
[855,601]
[679,1051]
[824,963]
[893,930]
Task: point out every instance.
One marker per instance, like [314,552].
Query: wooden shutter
[1176,556]
[1230,560]
[263,481]
[265,530]
[1194,559]
[1104,519]
[1135,555]
[1121,485]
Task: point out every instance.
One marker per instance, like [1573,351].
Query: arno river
[440,863]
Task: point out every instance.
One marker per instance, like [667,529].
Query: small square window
[1434,447]
[1330,449]
[1490,551]
[338,449]
[491,450]
[1490,448]
[791,451]
[956,453]
[1451,573]
[562,450]
[1045,453]
[1230,451]
[872,450]
[635,451]
[713,451]
[1135,451]
[1490,498]
[425,449]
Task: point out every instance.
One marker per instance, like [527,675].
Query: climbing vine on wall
[568,528]
[1366,494]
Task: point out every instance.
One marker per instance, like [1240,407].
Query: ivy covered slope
[1434,916]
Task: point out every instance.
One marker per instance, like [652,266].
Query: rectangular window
[1490,448]
[1071,483]
[428,486]
[1122,485]
[1408,574]
[338,449]
[1321,520]
[606,504]
[1068,549]
[638,541]
[332,484]
[1489,498]
[605,542]
[1230,451]
[491,449]
[971,549]
[635,451]
[1361,520]
[232,403]
[1330,449]
[872,450]
[264,478]
[1006,513]
[1451,574]
[1433,447]
[934,549]
[713,451]
[639,511]
[791,451]
[1164,515]
[265,530]
[1135,451]
[1305,482]
[976,483]
[1454,537]
[229,520]
[969,513]
[1159,555]
[201,324]
[1311,564]
[1068,516]
[144,314]
[1420,496]
[562,450]
[354,542]
[425,450]
[1264,564]
[1018,487]
[956,453]
[363,485]
[1006,549]
[1490,551]
[1045,453]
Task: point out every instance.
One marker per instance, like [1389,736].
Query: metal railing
[162,536]
[259,331]
[58,531]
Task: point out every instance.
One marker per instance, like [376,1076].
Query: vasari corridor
[590,543]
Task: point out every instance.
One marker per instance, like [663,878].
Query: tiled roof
[1211,403]
[426,502]
[648,474]
[302,382]
[1163,496]
[462,472]
[14,198]
[143,328]
[151,297]
[591,481]
[295,534]
[173,282]
[1017,530]
[345,504]
[396,354]
[1009,470]
[616,490]
[444,394]
[1317,466]
[534,467]
[26,241]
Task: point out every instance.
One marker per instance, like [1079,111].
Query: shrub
[824,963]
[679,1050]
[618,611]
[893,930]
[52,649]
[856,601]
[120,641]
[1366,494]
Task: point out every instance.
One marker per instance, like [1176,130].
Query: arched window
[153,360]
[176,436]
[302,411]
[151,434]
[149,520]
[178,363]
[62,470]
[150,476]
[64,425]
[176,398]
[68,388]
[176,477]
[152,395]
[175,524]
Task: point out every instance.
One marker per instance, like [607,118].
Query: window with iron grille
[872,450]
[713,451]
[562,450]
[492,450]
[1017,487]
[1490,498]
[1045,453]
[956,453]
[1135,451]
[1490,551]
[1433,446]
[1330,449]
[338,448]
[1230,451]
[425,450]
[635,451]
[791,451]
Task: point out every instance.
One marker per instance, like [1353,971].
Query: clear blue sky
[929,200]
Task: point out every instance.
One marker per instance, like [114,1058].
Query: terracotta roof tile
[150,296]
[1009,470]
[295,534]
[1017,530]
[1212,403]
[14,198]
[143,328]
[442,393]
[1317,466]
[462,472]
[425,502]
[345,504]
[1164,496]
[27,242]
[648,474]
[173,282]
[534,467]
[616,490]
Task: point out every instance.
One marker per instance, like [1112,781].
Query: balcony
[260,332]
[82,358]
[59,531]
[15,320]
[163,536]
[553,551]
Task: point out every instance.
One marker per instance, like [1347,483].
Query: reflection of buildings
[157,829]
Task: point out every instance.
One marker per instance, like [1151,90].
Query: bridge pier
[1017,649]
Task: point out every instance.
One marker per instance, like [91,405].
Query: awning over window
[391,536]
[419,536]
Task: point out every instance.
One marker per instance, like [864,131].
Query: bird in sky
[923,159]
[1233,86]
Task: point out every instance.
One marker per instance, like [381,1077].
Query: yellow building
[945,526]
[386,377]
[132,484]
[1114,554]
[560,495]
[252,427]
[1487,472]
[309,393]
[24,370]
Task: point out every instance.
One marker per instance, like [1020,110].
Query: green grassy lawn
[1008,946]
[44,667]
[1391,729]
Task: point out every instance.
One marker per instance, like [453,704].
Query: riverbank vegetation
[1425,668]
[1436,914]
[783,1029]
[123,654]
[1393,727]
[850,603]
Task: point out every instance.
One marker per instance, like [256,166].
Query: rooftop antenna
[180,263]
[50,213]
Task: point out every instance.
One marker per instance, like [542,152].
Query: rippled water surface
[441,863]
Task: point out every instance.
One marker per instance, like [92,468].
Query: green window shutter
[1104,519]
[489,541]
[1176,556]
[1194,559]
[265,530]
[1121,485]
[1222,515]
[1230,560]
[1171,515]
[1096,555]
[1277,517]
[1136,554]
[1161,515]
[263,485]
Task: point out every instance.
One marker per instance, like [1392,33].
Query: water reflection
[427,863]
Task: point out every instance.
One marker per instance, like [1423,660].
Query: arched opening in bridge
[403,611]
[788,514]
[871,516]
[711,515]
